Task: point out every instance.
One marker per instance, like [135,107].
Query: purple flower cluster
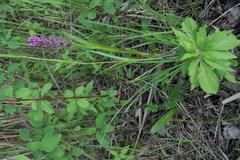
[47,42]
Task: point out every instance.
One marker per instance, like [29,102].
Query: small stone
[233,16]
[231,132]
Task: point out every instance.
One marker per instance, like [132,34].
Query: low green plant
[90,12]
[7,39]
[22,158]
[206,57]
[122,154]
[47,133]
[61,119]
[169,107]
[5,9]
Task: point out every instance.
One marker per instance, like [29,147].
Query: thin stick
[224,14]
[232,98]
[50,73]
[218,122]
[144,116]
[47,99]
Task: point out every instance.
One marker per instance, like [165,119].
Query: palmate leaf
[207,57]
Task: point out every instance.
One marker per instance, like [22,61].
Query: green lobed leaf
[185,41]
[77,152]
[92,108]
[68,93]
[100,121]
[112,92]
[23,93]
[193,72]
[188,56]
[72,107]
[208,79]
[24,135]
[83,103]
[222,55]
[7,91]
[219,64]
[201,37]
[33,146]
[92,14]
[108,128]
[88,88]
[89,131]
[50,142]
[94,3]
[222,41]
[80,91]
[13,67]
[57,153]
[230,77]
[12,44]
[109,7]
[10,109]
[34,105]
[22,158]
[47,107]
[46,88]
[103,139]
[37,115]
[189,26]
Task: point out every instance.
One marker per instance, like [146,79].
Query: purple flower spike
[47,42]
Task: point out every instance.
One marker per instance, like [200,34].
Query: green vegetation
[103,79]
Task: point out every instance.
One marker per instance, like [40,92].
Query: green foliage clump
[207,57]
[122,154]
[50,126]
[67,121]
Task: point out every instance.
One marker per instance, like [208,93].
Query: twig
[203,14]
[52,75]
[144,116]
[2,145]
[218,122]
[224,14]
[232,98]
[47,99]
